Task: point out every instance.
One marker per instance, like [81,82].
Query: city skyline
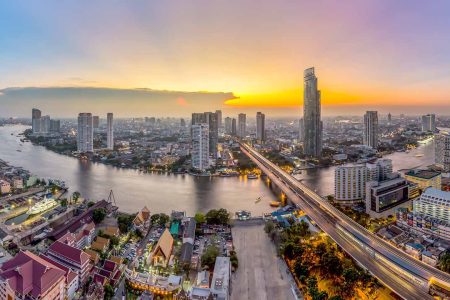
[406,41]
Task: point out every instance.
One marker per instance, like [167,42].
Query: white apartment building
[434,203]
[200,146]
[442,150]
[85,135]
[350,183]
[371,129]
[109,131]
[429,122]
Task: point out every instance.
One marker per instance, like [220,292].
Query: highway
[403,274]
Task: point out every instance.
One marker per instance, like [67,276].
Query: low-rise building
[100,244]
[220,284]
[162,252]
[18,182]
[383,198]
[72,279]
[432,255]
[424,178]
[27,276]
[414,249]
[5,187]
[71,257]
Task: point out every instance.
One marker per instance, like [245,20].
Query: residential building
[442,150]
[389,119]
[109,131]
[72,279]
[45,124]
[433,203]
[17,182]
[5,187]
[27,276]
[233,127]
[432,255]
[424,178]
[429,123]
[96,122]
[312,145]
[200,146]
[71,257]
[384,197]
[380,170]
[350,183]
[228,125]
[211,119]
[371,129]
[220,284]
[219,118]
[213,125]
[55,125]
[242,125]
[36,120]
[260,127]
[85,134]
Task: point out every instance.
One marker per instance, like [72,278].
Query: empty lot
[260,274]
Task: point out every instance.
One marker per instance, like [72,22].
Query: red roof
[28,274]
[66,252]
[70,275]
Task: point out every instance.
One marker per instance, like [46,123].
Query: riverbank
[134,189]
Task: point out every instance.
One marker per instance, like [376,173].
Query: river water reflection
[134,189]
[166,192]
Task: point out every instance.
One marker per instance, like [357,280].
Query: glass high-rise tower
[312,125]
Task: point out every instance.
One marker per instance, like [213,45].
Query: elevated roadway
[403,274]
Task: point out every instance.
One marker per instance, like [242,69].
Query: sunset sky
[386,55]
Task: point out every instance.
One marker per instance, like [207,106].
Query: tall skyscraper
[109,131]
[242,125]
[200,146]
[442,150]
[182,123]
[209,118]
[96,122]
[260,127]
[233,127]
[301,130]
[213,123]
[371,129]
[429,122]
[36,120]
[389,118]
[311,115]
[219,118]
[45,124]
[85,135]
[228,125]
[55,125]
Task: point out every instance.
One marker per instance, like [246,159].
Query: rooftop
[424,174]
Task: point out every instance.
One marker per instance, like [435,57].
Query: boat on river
[252,176]
[42,206]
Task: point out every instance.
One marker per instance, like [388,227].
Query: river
[167,192]
[133,189]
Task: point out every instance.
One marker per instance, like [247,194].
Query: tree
[64,202]
[218,217]
[200,218]
[160,219]
[312,287]
[350,276]
[98,215]
[75,196]
[90,204]
[269,227]
[331,264]
[138,233]
[109,292]
[444,263]
[300,269]
[335,297]
[124,222]
[209,257]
